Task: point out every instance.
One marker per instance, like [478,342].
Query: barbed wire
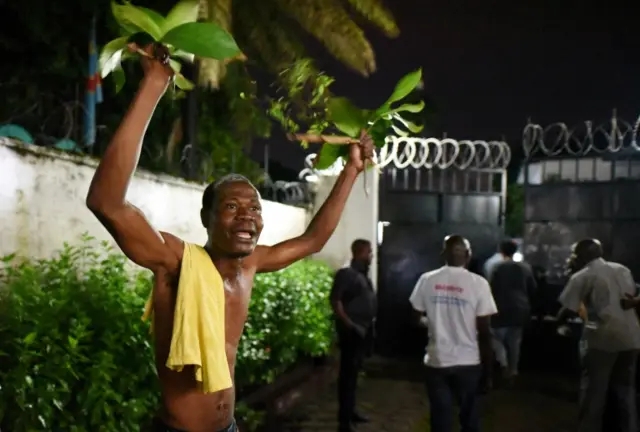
[291,193]
[611,136]
[52,120]
[285,192]
[429,153]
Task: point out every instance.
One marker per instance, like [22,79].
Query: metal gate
[580,182]
[430,188]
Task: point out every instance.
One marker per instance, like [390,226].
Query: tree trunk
[218,12]
[206,72]
[190,123]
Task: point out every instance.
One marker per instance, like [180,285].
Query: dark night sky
[490,65]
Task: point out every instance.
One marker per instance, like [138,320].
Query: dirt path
[395,400]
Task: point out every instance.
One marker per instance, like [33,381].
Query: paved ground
[391,405]
[395,400]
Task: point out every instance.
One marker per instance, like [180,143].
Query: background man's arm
[571,300]
[107,194]
[340,284]
[324,223]
[483,325]
[630,300]
[418,305]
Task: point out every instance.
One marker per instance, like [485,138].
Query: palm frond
[376,12]
[250,30]
[264,32]
[329,22]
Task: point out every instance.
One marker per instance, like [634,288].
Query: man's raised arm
[107,193]
[325,221]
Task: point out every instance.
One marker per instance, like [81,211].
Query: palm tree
[270,31]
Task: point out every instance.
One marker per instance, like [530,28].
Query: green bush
[76,356]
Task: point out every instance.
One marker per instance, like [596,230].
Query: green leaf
[183,55]
[413,127]
[111,55]
[399,131]
[405,86]
[130,17]
[155,16]
[185,11]
[126,28]
[175,65]
[329,154]
[182,83]
[409,125]
[412,108]
[203,40]
[379,132]
[73,343]
[8,258]
[141,39]
[348,118]
[30,338]
[118,78]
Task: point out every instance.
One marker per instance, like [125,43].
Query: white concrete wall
[359,220]
[42,194]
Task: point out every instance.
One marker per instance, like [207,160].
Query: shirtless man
[232,215]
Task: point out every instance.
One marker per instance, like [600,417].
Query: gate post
[359,218]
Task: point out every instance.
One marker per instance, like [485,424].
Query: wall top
[86,160]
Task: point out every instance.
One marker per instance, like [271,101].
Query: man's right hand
[155,63]
[359,330]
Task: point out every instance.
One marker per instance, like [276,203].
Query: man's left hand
[361,153]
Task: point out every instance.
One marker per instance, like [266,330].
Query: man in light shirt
[455,306]
[489,264]
[612,335]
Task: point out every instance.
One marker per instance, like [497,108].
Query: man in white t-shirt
[455,306]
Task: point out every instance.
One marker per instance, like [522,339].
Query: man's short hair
[358,245]
[508,248]
[456,240]
[211,191]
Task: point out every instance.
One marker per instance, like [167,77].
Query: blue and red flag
[94,89]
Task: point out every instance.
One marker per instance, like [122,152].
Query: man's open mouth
[244,235]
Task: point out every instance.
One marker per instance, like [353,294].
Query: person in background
[455,306]
[612,335]
[489,264]
[513,287]
[354,304]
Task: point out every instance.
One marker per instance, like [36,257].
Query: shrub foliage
[76,356]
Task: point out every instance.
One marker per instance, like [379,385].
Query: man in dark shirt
[354,304]
[512,285]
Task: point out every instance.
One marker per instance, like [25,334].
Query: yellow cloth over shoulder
[198,337]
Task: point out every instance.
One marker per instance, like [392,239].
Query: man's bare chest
[237,294]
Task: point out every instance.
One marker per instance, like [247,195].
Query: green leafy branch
[178,32]
[309,105]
